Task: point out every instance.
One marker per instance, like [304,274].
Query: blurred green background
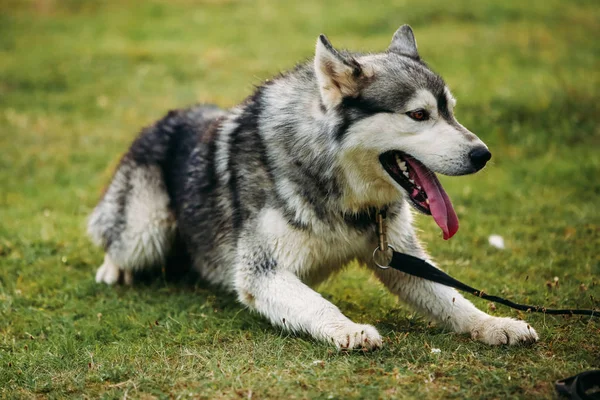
[78,79]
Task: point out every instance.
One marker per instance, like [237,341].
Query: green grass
[79,78]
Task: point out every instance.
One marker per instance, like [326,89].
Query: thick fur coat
[274,195]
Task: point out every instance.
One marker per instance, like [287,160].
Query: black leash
[420,268]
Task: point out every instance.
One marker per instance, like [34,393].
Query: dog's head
[397,128]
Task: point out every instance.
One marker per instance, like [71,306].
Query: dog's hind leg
[132,222]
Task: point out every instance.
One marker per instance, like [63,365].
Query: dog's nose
[479,157]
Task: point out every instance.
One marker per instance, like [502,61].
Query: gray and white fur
[274,195]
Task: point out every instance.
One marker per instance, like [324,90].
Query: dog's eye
[418,115]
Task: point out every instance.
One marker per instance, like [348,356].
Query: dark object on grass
[583,386]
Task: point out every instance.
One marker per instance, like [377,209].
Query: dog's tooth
[405,173]
[427,201]
[411,181]
[400,163]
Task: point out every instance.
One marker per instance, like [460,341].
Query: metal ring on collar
[378,249]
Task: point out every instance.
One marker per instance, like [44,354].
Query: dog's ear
[404,42]
[338,75]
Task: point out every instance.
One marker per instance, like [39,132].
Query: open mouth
[423,187]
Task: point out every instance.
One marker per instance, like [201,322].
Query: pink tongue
[439,202]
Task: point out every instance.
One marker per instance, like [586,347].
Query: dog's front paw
[356,336]
[496,331]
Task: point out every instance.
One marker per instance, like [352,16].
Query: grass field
[79,78]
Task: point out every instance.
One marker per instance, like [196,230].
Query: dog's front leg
[278,294]
[445,304]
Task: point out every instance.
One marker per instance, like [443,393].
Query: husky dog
[271,197]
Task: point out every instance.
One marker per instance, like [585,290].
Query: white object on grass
[497,241]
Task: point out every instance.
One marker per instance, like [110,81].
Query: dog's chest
[315,252]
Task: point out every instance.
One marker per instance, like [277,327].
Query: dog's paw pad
[499,331]
[107,273]
[356,336]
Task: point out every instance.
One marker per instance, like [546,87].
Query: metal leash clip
[383,246]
